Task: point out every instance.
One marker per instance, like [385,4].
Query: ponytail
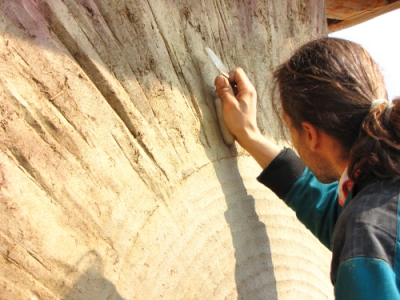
[376,151]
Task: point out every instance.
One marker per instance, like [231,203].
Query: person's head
[330,83]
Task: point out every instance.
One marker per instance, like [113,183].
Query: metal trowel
[227,136]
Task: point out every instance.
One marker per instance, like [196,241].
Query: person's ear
[312,135]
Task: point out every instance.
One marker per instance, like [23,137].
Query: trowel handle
[234,87]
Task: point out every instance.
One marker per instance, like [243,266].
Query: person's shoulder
[365,252]
[376,195]
[375,204]
[368,226]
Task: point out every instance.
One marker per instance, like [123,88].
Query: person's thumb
[224,89]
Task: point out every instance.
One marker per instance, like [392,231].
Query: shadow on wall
[92,285]
[254,270]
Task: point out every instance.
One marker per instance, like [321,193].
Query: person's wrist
[251,139]
[260,148]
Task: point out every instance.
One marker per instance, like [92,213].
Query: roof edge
[363,17]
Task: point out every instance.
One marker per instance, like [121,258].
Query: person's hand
[240,110]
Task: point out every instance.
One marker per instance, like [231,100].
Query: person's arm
[363,278]
[313,202]
[240,115]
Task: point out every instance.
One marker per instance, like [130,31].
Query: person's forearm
[261,149]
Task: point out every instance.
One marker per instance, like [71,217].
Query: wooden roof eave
[362,16]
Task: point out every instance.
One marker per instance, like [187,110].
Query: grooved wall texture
[114,180]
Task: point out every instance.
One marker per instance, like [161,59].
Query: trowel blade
[218,63]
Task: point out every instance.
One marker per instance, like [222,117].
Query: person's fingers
[227,136]
[242,81]
[224,89]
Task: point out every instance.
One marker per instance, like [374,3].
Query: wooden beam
[364,16]
[342,10]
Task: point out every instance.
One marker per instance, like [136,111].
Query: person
[346,186]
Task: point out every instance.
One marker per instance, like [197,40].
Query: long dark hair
[331,84]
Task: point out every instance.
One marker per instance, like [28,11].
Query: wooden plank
[364,16]
[342,10]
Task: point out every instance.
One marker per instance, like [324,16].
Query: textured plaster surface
[114,180]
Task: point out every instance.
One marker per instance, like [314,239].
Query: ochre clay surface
[114,180]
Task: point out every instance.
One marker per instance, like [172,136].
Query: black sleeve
[282,172]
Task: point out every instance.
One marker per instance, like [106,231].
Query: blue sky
[380,36]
